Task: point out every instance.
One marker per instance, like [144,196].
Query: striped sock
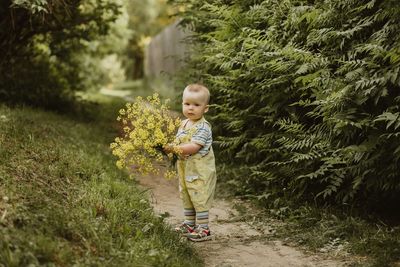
[202,219]
[190,217]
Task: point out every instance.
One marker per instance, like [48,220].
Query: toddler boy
[196,166]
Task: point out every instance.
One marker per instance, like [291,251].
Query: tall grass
[64,203]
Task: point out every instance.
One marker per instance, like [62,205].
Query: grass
[145,87]
[64,203]
[367,240]
[337,232]
[329,231]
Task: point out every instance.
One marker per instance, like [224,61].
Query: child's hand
[168,148]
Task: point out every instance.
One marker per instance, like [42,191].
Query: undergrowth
[361,238]
[336,232]
[64,203]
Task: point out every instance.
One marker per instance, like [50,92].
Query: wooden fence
[166,51]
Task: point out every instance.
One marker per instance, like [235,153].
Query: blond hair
[198,88]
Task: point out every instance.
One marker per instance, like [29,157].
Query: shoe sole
[206,238]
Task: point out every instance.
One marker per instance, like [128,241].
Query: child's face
[194,105]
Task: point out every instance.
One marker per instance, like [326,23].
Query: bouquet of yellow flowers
[148,126]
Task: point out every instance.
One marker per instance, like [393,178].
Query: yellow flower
[170,174]
[147,126]
[119,164]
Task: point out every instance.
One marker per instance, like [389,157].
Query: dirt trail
[236,243]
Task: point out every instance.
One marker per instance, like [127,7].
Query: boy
[196,166]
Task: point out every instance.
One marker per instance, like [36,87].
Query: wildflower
[170,174]
[148,127]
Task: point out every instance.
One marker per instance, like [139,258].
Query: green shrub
[49,49]
[306,94]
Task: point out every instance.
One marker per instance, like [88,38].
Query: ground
[236,242]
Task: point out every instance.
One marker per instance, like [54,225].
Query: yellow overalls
[197,178]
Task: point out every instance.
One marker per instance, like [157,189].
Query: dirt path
[236,243]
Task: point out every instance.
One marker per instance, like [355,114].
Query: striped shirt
[202,135]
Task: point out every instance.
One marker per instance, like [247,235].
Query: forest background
[304,93]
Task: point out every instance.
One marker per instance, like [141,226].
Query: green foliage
[64,203]
[306,94]
[48,47]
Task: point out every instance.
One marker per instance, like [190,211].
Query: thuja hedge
[306,94]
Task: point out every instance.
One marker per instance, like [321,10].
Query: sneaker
[199,234]
[184,229]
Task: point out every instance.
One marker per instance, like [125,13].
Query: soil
[236,242]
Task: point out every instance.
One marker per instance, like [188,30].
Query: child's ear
[206,109]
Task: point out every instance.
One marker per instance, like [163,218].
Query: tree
[42,41]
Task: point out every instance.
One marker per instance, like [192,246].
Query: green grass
[146,87]
[64,203]
[330,230]
[361,242]
[366,239]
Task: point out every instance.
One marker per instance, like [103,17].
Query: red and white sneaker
[200,234]
[184,229]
